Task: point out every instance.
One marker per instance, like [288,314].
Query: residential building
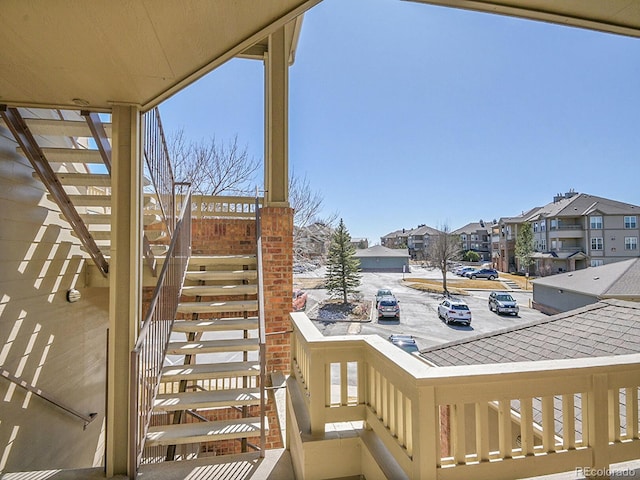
[397,239]
[383,259]
[475,237]
[312,242]
[86,316]
[575,231]
[567,291]
[360,242]
[418,241]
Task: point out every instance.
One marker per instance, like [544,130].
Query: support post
[125,279]
[276,165]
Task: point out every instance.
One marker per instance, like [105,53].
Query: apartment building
[574,231]
[475,237]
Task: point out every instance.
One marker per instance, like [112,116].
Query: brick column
[277,255]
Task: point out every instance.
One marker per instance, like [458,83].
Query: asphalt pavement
[418,310]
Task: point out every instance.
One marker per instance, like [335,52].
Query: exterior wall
[56,346]
[550,300]
[383,264]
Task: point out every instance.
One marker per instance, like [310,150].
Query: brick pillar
[277,256]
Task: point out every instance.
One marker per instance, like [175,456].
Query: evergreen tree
[524,246]
[342,267]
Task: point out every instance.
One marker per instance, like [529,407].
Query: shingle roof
[380,251]
[614,279]
[609,327]
[471,228]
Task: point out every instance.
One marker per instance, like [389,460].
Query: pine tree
[342,267]
[524,246]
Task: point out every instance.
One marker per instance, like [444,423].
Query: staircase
[210,386]
[71,155]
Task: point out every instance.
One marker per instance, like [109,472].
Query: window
[596,221]
[596,243]
[535,227]
[597,263]
[543,244]
[554,224]
[463,237]
[630,222]
[543,226]
[630,243]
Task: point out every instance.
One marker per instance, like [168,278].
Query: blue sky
[402,113]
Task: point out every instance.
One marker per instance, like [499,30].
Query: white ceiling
[62,52]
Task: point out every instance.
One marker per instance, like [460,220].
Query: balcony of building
[360,406]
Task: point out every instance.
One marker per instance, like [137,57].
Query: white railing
[206,206]
[480,421]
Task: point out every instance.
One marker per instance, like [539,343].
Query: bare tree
[444,248]
[212,167]
[312,233]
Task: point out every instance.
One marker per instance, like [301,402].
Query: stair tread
[222,275]
[210,370]
[105,218]
[206,399]
[206,260]
[214,290]
[211,346]
[202,432]
[219,306]
[215,324]
[73,155]
[65,128]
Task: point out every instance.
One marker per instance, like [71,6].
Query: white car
[452,310]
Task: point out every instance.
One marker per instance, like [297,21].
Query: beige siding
[46,341]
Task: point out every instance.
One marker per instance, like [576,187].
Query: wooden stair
[213,354]
[79,167]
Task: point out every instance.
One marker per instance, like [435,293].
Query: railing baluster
[548,424]
[614,415]
[631,407]
[504,429]
[482,431]
[568,422]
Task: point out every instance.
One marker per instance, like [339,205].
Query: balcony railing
[532,417]
[567,226]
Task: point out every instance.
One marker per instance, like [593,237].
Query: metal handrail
[261,326]
[156,154]
[147,357]
[45,396]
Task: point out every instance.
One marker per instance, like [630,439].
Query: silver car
[502,302]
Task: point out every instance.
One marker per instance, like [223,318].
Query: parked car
[463,270]
[488,273]
[383,292]
[452,310]
[388,307]
[502,302]
[405,342]
[299,300]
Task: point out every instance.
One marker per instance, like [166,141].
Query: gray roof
[609,327]
[424,230]
[613,279]
[472,228]
[578,205]
[380,251]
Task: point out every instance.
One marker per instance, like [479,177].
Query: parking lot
[418,310]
